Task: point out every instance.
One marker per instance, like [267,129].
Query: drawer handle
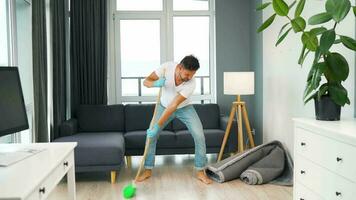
[42,190]
[338,193]
[302,171]
[65,163]
[303,144]
[338,159]
[301,198]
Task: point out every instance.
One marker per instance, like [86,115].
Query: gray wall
[256,60]
[239,48]
[232,44]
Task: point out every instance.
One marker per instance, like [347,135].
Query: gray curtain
[58,17]
[88,51]
[39,49]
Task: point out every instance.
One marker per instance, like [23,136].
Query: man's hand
[152,132]
[159,83]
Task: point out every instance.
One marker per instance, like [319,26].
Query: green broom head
[129,191]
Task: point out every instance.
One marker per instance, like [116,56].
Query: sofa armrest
[68,127]
[231,143]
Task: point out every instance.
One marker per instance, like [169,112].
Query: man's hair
[190,62]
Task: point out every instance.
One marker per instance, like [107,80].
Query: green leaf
[305,55]
[308,90]
[348,42]
[311,73]
[266,23]
[338,94]
[313,80]
[299,8]
[316,79]
[319,18]
[338,9]
[283,27]
[283,36]
[317,55]
[338,66]
[263,6]
[292,4]
[322,90]
[354,9]
[310,40]
[298,24]
[301,57]
[318,30]
[321,67]
[280,7]
[337,41]
[327,40]
[310,98]
[329,75]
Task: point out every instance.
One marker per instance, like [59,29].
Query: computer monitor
[13,117]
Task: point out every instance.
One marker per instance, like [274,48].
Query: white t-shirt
[170,90]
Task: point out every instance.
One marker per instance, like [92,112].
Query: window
[4,60]
[139,44]
[148,33]
[139,5]
[15,37]
[24,60]
[190,5]
[189,39]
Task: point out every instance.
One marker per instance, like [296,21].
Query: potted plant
[329,68]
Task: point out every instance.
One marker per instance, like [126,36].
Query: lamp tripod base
[238,108]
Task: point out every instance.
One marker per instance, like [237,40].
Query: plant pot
[326,109]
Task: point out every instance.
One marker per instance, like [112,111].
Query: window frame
[166,17]
[12,48]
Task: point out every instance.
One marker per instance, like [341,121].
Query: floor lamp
[238,83]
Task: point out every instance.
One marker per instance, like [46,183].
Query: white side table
[36,176]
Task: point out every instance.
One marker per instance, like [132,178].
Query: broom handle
[151,124]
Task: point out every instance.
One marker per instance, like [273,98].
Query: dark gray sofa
[107,133]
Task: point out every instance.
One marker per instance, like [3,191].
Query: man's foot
[145,175]
[203,177]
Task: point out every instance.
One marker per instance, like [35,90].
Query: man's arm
[148,82]
[170,109]
[152,131]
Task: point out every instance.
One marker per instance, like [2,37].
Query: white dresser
[36,176]
[324,159]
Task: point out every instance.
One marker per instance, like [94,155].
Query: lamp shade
[239,83]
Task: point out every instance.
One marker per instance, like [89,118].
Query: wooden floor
[172,179]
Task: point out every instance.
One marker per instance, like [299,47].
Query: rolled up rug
[266,169]
[232,167]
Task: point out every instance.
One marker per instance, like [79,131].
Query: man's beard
[181,78]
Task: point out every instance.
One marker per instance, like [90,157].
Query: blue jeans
[191,119]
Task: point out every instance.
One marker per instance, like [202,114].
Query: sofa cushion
[101,148]
[100,118]
[137,139]
[209,115]
[213,138]
[138,117]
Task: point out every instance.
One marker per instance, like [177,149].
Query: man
[178,85]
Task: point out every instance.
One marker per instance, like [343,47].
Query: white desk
[36,176]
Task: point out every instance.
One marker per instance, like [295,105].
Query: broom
[129,191]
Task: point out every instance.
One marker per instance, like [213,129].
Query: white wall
[284,80]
